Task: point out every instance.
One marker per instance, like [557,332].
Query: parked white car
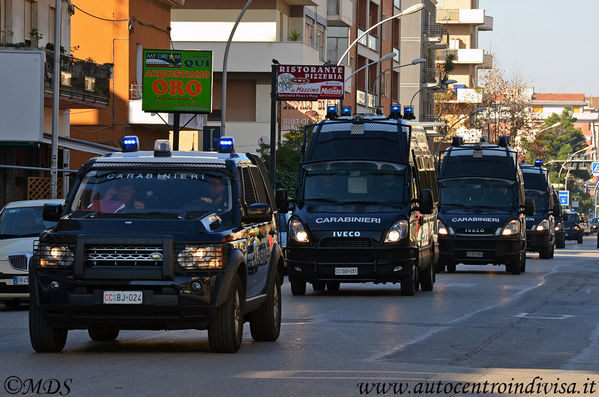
[20,225]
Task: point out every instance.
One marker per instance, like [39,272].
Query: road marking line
[533,317]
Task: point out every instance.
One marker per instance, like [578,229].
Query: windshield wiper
[326,200]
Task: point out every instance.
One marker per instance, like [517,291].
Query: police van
[365,205]
[540,228]
[482,207]
[160,240]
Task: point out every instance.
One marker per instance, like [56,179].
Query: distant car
[594,225]
[20,224]
[571,222]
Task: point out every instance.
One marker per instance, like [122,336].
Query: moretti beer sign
[304,82]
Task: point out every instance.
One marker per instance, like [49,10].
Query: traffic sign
[564,197]
[595,168]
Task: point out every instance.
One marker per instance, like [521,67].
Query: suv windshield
[149,193]
[22,222]
[541,199]
[478,193]
[570,219]
[356,183]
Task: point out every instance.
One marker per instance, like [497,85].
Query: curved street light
[384,58]
[416,61]
[410,10]
[441,86]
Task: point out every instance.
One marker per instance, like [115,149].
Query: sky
[552,45]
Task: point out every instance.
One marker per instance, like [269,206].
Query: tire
[552,252]
[409,283]
[561,243]
[298,288]
[427,278]
[319,286]
[333,286]
[265,323]
[523,262]
[451,268]
[579,241]
[440,267]
[545,253]
[103,334]
[225,329]
[597,239]
[44,338]
[514,268]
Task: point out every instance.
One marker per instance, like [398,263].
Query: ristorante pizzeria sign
[305,82]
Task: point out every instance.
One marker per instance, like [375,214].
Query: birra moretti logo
[475,219]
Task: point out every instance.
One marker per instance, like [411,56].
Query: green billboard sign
[177,81]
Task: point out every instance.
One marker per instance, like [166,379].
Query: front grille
[346,242]
[475,231]
[124,255]
[474,244]
[19,262]
[346,257]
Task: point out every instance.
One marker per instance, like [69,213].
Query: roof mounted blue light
[395,112]
[504,141]
[130,143]
[226,144]
[457,141]
[346,111]
[331,112]
[408,113]
[538,163]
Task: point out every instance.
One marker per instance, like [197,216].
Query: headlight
[541,226]
[298,232]
[511,228]
[576,228]
[558,227]
[443,230]
[201,257]
[397,232]
[58,255]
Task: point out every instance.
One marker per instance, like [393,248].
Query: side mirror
[529,207]
[426,204]
[281,200]
[51,212]
[258,212]
[557,210]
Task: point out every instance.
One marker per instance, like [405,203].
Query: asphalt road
[478,325]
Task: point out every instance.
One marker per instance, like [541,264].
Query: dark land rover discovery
[160,240]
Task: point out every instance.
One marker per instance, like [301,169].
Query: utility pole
[55,103]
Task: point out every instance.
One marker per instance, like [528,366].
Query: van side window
[260,192]
[249,195]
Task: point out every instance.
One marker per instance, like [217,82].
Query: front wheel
[561,242]
[44,337]
[226,327]
[333,286]
[298,288]
[409,283]
[319,286]
[265,323]
[427,278]
[514,268]
[580,239]
[451,268]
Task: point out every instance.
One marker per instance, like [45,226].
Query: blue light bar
[130,144]
[408,112]
[504,141]
[539,163]
[346,111]
[457,141]
[395,112]
[226,144]
[331,112]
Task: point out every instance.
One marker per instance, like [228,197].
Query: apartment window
[337,42]
[372,73]
[361,76]
[374,17]
[385,84]
[395,34]
[320,38]
[309,31]
[397,3]
[395,86]
[362,14]
[51,16]
[333,7]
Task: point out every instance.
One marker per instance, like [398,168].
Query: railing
[429,75]
[80,79]
[443,54]
[434,30]
[448,15]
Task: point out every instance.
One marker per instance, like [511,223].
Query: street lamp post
[407,11]
[384,58]
[567,161]
[440,86]
[416,61]
[223,115]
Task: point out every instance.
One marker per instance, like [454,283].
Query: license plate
[20,280]
[346,271]
[122,297]
[474,254]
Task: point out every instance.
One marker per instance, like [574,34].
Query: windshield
[356,183]
[541,199]
[534,180]
[190,194]
[23,222]
[478,193]
[570,219]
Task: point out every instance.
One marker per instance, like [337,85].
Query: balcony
[433,34]
[429,76]
[461,16]
[469,95]
[487,26]
[256,56]
[339,13]
[487,61]
[83,83]
[465,56]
